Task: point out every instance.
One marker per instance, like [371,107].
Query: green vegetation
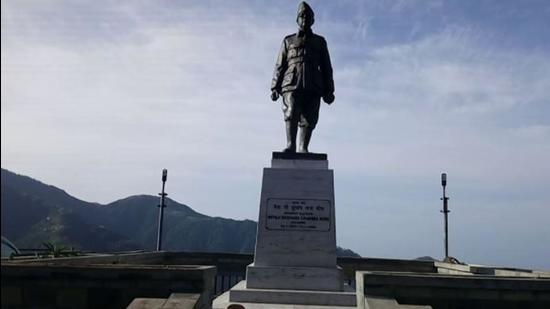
[55,250]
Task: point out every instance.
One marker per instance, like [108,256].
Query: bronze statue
[303,74]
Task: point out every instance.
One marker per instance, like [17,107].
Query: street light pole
[445,212]
[161,209]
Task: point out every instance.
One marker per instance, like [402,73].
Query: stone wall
[44,285]
[449,291]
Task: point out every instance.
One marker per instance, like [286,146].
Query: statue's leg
[291,130]
[291,112]
[305,137]
[308,121]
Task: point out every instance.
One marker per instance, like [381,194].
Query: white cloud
[435,104]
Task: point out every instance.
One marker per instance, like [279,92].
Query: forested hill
[34,213]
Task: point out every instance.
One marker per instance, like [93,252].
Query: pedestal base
[271,298]
[294,278]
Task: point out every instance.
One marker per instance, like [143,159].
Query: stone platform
[285,299]
[278,298]
[298,278]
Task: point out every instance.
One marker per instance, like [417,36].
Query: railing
[231,267]
[226,281]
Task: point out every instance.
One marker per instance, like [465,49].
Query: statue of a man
[303,74]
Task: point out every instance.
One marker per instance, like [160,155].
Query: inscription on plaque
[298,214]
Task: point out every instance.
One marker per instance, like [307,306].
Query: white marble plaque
[298,214]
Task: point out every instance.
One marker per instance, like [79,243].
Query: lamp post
[445,212]
[161,209]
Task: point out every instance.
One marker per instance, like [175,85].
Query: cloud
[451,69]
[437,103]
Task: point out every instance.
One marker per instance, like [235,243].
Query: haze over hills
[34,212]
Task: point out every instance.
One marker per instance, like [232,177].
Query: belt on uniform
[295,60]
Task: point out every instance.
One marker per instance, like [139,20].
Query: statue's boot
[305,137]
[291,130]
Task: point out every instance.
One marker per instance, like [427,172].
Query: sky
[97,97]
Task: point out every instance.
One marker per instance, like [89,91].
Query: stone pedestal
[296,238]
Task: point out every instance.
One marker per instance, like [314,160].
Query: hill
[34,212]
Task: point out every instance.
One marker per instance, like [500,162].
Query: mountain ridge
[34,212]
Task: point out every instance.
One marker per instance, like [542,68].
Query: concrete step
[374,302]
[175,301]
[284,299]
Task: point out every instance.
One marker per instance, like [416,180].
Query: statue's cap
[303,6]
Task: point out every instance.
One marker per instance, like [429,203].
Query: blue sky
[99,96]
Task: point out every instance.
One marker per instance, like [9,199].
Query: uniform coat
[303,64]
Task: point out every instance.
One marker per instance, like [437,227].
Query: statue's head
[305,18]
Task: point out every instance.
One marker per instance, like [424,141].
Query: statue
[303,74]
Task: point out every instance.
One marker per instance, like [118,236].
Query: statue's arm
[280,67]
[326,69]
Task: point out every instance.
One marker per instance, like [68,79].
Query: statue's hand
[274,95]
[328,98]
